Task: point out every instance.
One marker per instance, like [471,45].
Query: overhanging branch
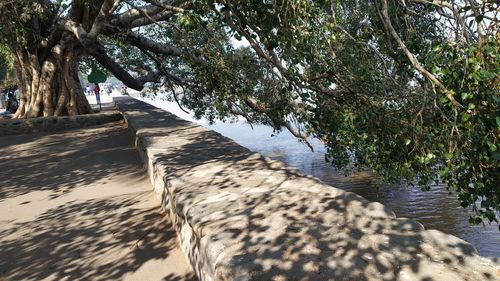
[150,45]
[167,6]
[260,107]
[107,8]
[133,14]
[413,60]
[149,14]
[93,48]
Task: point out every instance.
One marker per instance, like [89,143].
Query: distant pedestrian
[97,92]
[12,103]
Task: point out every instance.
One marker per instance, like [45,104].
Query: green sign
[97,76]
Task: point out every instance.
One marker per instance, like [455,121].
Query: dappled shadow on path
[92,240]
[246,213]
[34,161]
[97,218]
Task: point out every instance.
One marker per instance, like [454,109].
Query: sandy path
[76,205]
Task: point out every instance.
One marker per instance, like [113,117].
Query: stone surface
[241,216]
[54,123]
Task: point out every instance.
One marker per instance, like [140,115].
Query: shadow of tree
[32,162]
[68,241]
[91,233]
[241,213]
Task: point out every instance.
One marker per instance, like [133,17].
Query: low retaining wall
[240,216]
[53,123]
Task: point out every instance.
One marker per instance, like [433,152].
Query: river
[435,209]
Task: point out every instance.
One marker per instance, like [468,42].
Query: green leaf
[449,155]
[492,146]
[486,75]
[475,220]
[496,155]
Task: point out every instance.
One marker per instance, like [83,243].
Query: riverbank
[77,205]
[244,217]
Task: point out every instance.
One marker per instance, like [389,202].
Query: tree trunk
[49,85]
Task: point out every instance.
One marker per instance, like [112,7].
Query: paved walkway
[77,205]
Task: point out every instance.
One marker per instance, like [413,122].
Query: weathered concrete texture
[244,217]
[55,123]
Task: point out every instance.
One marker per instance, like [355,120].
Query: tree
[406,88]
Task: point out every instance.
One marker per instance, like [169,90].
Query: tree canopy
[407,88]
[5,64]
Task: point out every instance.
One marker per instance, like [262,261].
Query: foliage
[468,145]
[6,65]
[338,71]
[408,89]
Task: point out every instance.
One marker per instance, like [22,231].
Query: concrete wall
[240,216]
[53,123]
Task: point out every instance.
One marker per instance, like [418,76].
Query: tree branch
[128,16]
[388,25]
[93,48]
[107,8]
[150,45]
[166,6]
[259,107]
[145,15]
